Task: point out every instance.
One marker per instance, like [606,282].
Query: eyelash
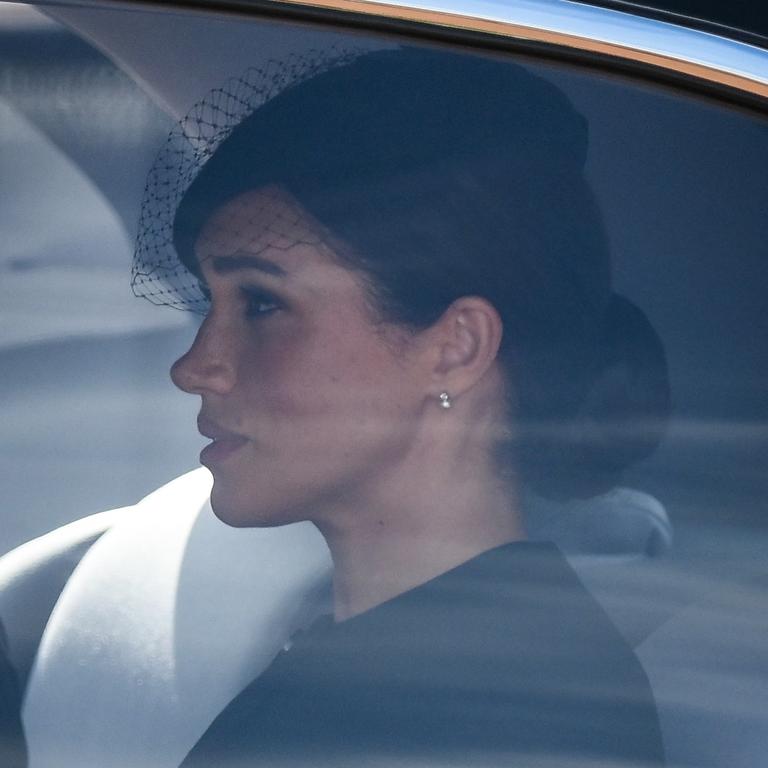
[258,302]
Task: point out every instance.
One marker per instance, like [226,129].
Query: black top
[13,752]
[504,655]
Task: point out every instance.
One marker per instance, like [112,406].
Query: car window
[672,548]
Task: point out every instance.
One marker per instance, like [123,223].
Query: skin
[321,411]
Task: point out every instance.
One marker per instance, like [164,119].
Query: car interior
[113,559]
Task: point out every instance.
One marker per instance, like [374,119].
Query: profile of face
[307,396]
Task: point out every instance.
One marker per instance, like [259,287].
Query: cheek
[288,377]
[338,385]
[328,408]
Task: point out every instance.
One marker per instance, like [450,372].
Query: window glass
[672,548]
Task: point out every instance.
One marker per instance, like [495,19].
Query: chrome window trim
[589,29]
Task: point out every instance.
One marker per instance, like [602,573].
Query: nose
[209,364]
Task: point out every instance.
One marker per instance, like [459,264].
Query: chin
[239,511]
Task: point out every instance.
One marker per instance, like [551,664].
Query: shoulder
[509,653]
[575,681]
[518,657]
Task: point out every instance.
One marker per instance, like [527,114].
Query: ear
[467,339]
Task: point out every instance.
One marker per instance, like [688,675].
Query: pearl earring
[445,400]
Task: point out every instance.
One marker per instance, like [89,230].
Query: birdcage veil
[158,274]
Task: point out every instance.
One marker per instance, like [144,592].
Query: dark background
[746,15]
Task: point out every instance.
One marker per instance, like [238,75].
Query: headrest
[623,522]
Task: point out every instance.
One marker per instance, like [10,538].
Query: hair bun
[624,415]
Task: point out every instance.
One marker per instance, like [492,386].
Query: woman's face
[307,398]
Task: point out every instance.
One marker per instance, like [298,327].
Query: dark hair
[448,175]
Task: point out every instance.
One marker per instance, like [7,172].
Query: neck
[441,517]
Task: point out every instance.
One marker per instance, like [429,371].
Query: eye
[258,302]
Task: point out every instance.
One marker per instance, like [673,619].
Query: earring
[445,400]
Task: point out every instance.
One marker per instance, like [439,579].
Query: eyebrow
[237,261]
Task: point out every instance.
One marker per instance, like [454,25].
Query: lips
[224,444]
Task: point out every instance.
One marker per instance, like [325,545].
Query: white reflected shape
[150,45]
[165,619]
[65,257]
[18,18]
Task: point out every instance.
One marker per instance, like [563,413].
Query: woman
[411,320]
